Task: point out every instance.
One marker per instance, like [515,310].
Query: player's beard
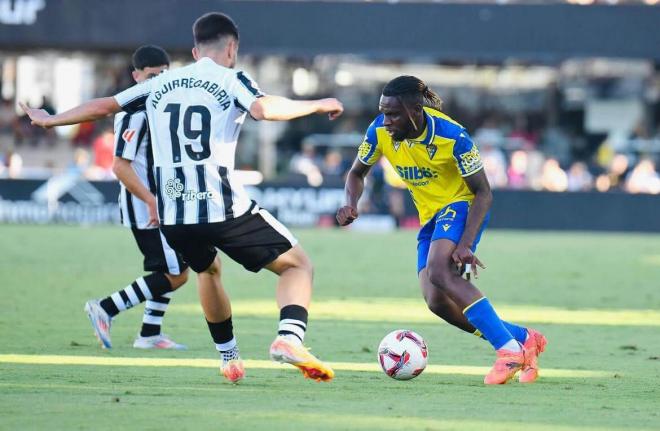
[401,134]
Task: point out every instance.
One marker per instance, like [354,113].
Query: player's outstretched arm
[353,189]
[88,111]
[483,198]
[278,108]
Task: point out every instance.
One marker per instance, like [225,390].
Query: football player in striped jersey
[133,166]
[195,114]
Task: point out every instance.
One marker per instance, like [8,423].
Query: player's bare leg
[217,310]
[212,295]
[294,292]
[442,305]
[296,272]
[477,309]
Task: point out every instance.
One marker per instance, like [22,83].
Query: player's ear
[195,53]
[136,75]
[232,49]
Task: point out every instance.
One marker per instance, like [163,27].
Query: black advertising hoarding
[68,200]
[72,200]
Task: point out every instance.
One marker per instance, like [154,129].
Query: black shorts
[254,240]
[158,255]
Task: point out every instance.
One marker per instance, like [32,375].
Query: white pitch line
[266,365]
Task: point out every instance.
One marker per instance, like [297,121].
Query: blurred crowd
[519,157]
[33,152]
[517,153]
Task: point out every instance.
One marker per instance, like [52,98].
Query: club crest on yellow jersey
[431,149]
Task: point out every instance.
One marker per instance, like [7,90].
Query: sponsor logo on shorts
[174,190]
[447,214]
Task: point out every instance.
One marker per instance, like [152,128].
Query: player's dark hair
[150,56]
[213,26]
[410,89]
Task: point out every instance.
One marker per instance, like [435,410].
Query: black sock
[148,287]
[154,310]
[222,334]
[293,321]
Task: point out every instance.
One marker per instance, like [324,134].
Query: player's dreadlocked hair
[412,89]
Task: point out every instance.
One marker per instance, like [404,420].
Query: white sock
[512,345]
[228,350]
[293,339]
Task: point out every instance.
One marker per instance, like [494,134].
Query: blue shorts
[448,223]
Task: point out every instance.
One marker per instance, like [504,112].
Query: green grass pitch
[596,297]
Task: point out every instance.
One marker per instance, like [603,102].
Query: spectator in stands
[11,165]
[7,119]
[83,135]
[23,131]
[80,163]
[643,178]
[618,170]
[579,178]
[306,163]
[333,164]
[495,166]
[103,147]
[556,143]
[489,133]
[553,177]
[521,136]
[517,171]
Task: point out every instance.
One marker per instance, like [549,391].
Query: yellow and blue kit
[433,167]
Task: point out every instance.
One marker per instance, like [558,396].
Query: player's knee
[439,276]
[178,280]
[214,269]
[437,304]
[299,260]
[305,263]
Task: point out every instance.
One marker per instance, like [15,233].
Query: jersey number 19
[203,134]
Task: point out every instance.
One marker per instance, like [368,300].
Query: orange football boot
[283,350]
[506,366]
[534,346]
[233,370]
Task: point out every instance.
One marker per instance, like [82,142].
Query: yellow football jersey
[432,166]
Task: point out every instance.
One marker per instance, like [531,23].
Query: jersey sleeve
[133,99]
[466,155]
[129,131]
[246,91]
[370,151]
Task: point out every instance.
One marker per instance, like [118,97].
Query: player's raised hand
[346,215]
[462,255]
[39,117]
[333,107]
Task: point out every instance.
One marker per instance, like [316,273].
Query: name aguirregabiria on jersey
[211,87]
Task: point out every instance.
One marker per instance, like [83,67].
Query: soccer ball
[402,354]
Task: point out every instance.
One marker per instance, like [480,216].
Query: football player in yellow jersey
[441,167]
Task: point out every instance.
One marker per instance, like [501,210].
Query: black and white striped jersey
[132,143]
[195,114]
